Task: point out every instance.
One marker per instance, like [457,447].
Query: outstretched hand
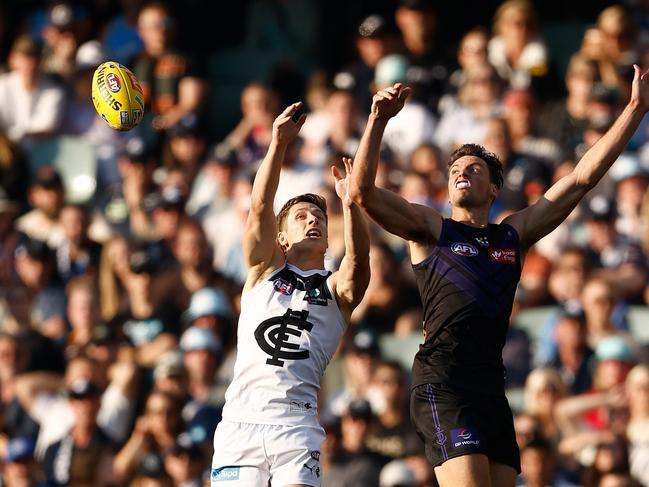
[342,181]
[284,128]
[387,102]
[640,88]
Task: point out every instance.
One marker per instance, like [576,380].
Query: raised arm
[353,276]
[260,248]
[412,222]
[536,221]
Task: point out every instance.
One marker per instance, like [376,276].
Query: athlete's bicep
[260,247]
[536,221]
[398,216]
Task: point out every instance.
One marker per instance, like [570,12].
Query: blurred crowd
[120,284]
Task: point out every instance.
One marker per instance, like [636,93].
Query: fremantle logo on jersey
[272,336]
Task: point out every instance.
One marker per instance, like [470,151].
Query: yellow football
[117,96]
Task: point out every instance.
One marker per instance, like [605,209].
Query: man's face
[153,25]
[48,200]
[306,226]
[190,247]
[469,183]
[74,223]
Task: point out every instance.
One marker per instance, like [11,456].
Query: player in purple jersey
[466,270]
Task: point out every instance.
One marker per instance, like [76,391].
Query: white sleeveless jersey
[289,328]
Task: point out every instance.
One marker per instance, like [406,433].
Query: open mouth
[463,184]
[313,233]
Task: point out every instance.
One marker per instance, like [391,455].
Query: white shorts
[258,455]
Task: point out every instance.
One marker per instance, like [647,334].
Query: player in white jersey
[293,314]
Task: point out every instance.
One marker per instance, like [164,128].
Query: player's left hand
[640,88]
[342,181]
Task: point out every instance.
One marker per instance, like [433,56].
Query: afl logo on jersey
[282,286]
[464,249]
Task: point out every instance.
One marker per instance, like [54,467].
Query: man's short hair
[493,163]
[314,199]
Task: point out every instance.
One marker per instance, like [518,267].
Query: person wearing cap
[210,309]
[293,315]
[376,37]
[78,254]
[184,462]
[630,174]
[19,468]
[84,455]
[621,259]
[31,106]
[573,356]
[415,124]
[185,146]
[467,271]
[596,408]
[61,39]
[202,356]
[418,22]
[46,196]
[151,328]
[353,463]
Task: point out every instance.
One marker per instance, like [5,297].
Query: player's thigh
[238,456]
[466,470]
[294,452]
[502,475]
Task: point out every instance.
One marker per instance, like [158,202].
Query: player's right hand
[284,128]
[387,102]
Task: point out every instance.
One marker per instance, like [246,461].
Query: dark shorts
[453,422]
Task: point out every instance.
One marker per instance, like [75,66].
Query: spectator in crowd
[194,265]
[251,137]
[9,237]
[361,358]
[227,248]
[212,189]
[46,195]
[149,327]
[478,100]
[427,160]
[637,391]
[171,81]
[82,312]
[61,38]
[392,434]
[184,462]
[38,393]
[573,357]
[565,120]
[77,254]
[543,390]
[210,309]
[84,455]
[113,274]
[600,299]
[36,295]
[517,51]
[472,51]
[631,180]
[14,361]
[621,259]
[353,464]
[376,38]
[31,106]
[151,473]
[340,132]
[20,468]
[120,38]
[155,432]
[538,465]
[166,211]
[418,21]
[415,124]
[202,355]
[14,176]
[388,294]
[185,148]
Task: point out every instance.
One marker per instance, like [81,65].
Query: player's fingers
[405,92]
[291,109]
[387,95]
[301,120]
[348,161]
[335,172]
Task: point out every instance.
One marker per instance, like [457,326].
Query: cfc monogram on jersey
[289,328]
